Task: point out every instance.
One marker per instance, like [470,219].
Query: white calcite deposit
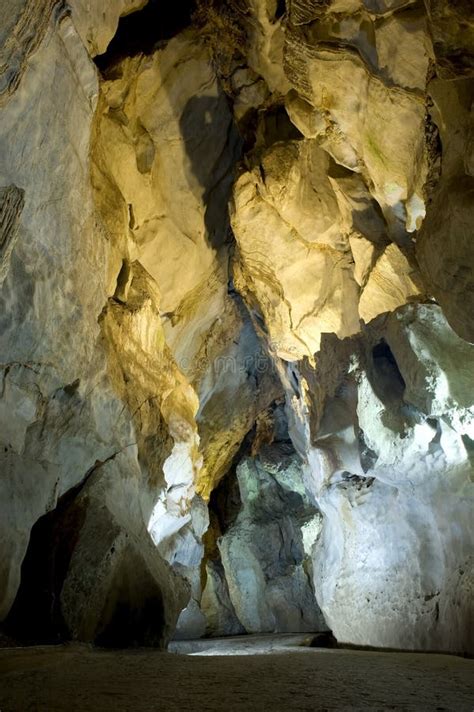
[389,461]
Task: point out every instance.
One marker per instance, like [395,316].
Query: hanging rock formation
[206,211]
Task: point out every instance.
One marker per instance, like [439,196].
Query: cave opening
[280,9]
[387,377]
[256,570]
[35,616]
[146,30]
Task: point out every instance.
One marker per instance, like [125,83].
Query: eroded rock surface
[388,447]
[228,207]
[265,553]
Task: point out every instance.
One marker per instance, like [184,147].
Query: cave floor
[291,677]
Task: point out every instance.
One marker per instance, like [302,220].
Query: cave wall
[265,554]
[388,447]
[193,227]
[96,367]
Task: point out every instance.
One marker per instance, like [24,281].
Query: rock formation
[264,554]
[236,320]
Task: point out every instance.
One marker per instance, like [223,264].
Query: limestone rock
[296,218]
[444,247]
[165,135]
[221,618]
[276,238]
[266,44]
[452,26]
[376,129]
[392,281]
[263,554]
[388,466]
[242,375]
[11,205]
[56,421]
[90,575]
[144,343]
[97,23]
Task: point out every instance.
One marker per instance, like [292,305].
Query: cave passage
[143,31]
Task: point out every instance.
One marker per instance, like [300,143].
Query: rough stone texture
[263,553]
[165,134]
[389,461]
[316,217]
[452,27]
[87,350]
[376,129]
[92,573]
[97,22]
[51,433]
[221,618]
[142,336]
[445,249]
[276,204]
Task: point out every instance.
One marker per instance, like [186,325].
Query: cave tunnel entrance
[145,30]
[35,616]
[256,575]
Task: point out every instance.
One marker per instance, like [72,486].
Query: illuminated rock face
[195,227]
[388,447]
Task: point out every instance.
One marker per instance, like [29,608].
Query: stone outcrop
[206,210]
[388,447]
[90,365]
[444,247]
[266,552]
[92,573]
[55,425]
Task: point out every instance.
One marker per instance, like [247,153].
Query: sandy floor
[224,677]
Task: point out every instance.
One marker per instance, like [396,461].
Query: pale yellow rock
[296,184]
[160,398]
[97,22]
[404,48]
[392,282]
[266,40]
[310,122]
[125,343]
[293,255]
[384,127]
[377,128]
[363,254]
[166,141]
[359,211]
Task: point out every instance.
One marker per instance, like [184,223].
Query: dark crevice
[35,616]
[144,31]
[277,126]
[385,365]
[368,457]
[280,9]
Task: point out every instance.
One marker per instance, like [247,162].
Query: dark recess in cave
[144,31]
[277,126]
[281,9]
[133,611]
[386,368]
[35,616]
